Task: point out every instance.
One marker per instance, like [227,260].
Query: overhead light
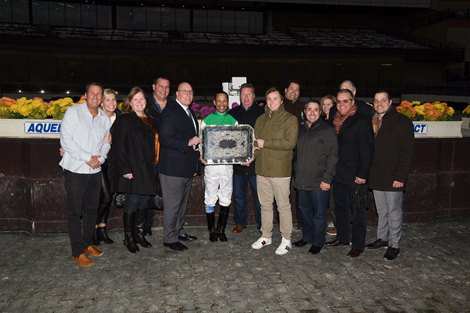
[67,92]
[19,91]
[42,90]
[386,64]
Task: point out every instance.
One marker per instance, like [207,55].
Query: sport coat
[175,129]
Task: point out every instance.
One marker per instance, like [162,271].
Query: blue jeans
[240,184]
[313,206]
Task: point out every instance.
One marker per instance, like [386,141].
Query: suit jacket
[175,129]
[355,149]
[153,110]
[134,152]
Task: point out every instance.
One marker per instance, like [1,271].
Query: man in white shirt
[86,141]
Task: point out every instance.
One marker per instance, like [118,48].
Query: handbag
[119,200]
[156,203]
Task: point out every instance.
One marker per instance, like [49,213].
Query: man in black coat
[155,106]
[246,113]
[178,164]
[363,107]
[393,154]
[355,149]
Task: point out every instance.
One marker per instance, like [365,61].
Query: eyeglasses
[346,101]
[186,92]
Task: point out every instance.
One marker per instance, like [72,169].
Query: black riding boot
[222,223]
[103,219]
[129,228]
[96,237]
[103,235]
[139,229]
[211,226]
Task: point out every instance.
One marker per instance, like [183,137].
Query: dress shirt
[82,136]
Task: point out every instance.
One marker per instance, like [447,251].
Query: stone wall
[33,196]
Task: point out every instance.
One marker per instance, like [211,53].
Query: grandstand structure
[415,46]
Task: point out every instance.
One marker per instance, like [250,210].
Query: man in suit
[178,164]
[155,106]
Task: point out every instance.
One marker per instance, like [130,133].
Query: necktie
[188,111]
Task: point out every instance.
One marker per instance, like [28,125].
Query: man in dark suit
[155,106]
[178,164]
[355,150]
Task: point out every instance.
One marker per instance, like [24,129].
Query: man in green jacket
[276,132]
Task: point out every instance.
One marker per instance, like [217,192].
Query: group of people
[149,153]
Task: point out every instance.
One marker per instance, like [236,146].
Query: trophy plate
[227,144]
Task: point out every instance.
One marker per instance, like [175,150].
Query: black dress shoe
[335,243]
[187,237]
[177,246]
[354,253]
[300,243]
[314,250]
[392,253]
[379,243]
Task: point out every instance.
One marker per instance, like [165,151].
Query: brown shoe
[354,253]
[93,251]
[237,229]
[83,260]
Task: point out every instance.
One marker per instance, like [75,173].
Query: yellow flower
[466,111]
[435,111]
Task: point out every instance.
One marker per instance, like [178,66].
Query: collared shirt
[82,136]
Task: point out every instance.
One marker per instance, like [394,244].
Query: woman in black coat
[135,149]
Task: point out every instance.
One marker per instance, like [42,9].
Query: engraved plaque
[227,144]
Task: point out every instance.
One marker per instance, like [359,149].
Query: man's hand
[324,186]
[397,184]
[194,141]
[128,176]
[247,164]
[61,151]
[202,161]
[360,181]
[94,162]
[260,143]
[108,138]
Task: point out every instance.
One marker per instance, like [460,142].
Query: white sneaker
[284,247]
[261,242]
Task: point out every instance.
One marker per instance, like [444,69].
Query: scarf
[339,119]
[376,123]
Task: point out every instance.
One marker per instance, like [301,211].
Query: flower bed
[431,120]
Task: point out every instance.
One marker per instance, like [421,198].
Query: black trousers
[83,195]
[105,197]
[351,223]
